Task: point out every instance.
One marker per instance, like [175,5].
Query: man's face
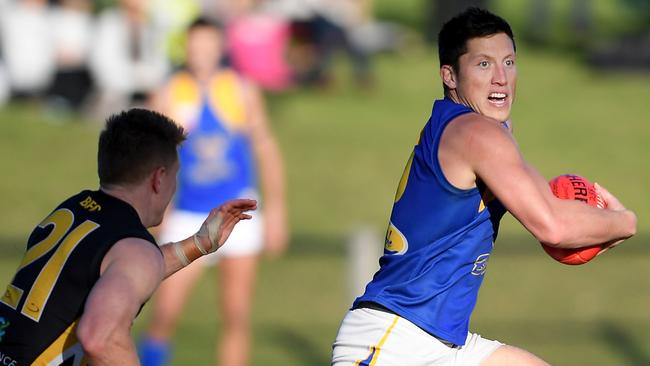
[487,76]
[204,46]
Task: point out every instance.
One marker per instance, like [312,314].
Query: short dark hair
[204,21]
[471,23]
[134,143]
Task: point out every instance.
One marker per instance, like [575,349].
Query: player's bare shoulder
[136,252]
[466,142]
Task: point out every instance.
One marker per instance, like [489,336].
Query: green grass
[345,150]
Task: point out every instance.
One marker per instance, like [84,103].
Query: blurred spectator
[4,85]
[226,10]
[128,57]
[27,47]
[229,145]
[174,16]
[71,28]
[258,45]
[257,41]
[322,28]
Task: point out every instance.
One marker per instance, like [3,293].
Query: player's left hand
[611,203]
[221,221]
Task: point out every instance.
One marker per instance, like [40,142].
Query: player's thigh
[509,355]
[237,284]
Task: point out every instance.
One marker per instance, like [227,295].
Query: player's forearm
[272,176]
[571,224]
[582,225]
[178,255]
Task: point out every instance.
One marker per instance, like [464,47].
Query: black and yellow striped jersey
[41,307]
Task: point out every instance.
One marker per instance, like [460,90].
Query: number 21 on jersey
[62,241]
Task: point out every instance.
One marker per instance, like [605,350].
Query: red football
[575,187]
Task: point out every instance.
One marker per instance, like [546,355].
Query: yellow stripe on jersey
[404,180]
[225,94]
[486,198]
[65,346]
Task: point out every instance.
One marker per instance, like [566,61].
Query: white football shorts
[245,240]
[374,337]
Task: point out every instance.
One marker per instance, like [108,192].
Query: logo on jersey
[395,242]
[480,264]
[212,164]
[90,204]
[3,326]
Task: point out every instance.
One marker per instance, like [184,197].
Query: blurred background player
[464,172]
[228,136]
[91,264]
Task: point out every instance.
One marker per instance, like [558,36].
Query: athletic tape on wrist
[198,245]
[210,228]
[180,253]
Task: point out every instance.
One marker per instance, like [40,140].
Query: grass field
[345,150]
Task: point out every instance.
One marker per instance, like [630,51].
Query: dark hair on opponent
[134,143]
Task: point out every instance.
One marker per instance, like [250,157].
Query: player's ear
[448,76]
[156,178]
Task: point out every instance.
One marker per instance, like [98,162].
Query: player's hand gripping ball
[575,187]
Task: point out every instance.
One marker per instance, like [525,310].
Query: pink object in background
[258,45]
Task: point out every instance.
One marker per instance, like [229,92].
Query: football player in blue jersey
[464,173]
[230,152]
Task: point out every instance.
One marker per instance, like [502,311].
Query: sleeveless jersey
[438,241]
[216,159]
[41,307]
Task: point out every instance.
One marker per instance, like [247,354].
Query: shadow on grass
[623,343]
[303,350]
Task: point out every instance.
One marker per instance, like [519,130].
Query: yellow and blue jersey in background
[217,162]
[438,241]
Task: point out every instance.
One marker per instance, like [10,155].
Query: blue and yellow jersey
[438,241]
[217,162]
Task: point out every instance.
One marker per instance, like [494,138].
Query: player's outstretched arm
[131,271]
[271,172]
[211,236]
[492,154]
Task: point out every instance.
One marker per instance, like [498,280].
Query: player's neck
[130,195]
